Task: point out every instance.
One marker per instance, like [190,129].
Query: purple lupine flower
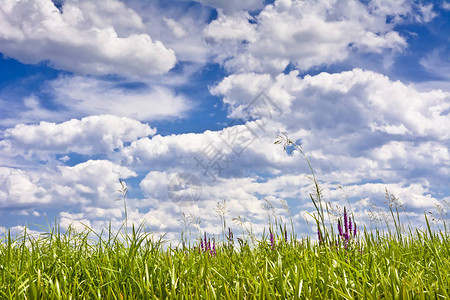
[214,247]
[201,244]
[319,234]
[354,231]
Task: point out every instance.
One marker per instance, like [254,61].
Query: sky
[182,102]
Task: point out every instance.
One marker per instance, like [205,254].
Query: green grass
[374,264]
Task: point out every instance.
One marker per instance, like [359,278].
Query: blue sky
[188,98]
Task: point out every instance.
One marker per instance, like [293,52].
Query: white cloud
[88,96]
[176,28]
[431,157]
[74,221]
[94,182]
[77,97]
[426,13]
[446,5]
[229,6]
[179,27]
[234,27]
[90,135]
[345,102]
[17,189]
[355,127]
[305,33]
[85,38]
[437,62]
[398,9]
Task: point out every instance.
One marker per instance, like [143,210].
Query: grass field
[346,263]
[370,266]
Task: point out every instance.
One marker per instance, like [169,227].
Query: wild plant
[123,190]
[441,214]
[205,246]
[222,210]
[230,239]
[348,233]
[316,195]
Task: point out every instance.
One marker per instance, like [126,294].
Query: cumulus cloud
[355,126]
[19,189]
[90,135]
[305,33]
[83,37]
[93,183]
[179,27]
[346,102]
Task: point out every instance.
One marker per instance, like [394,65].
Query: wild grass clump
[347,262]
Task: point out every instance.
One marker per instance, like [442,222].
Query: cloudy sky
[183,101]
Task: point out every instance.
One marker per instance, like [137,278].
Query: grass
[366,265]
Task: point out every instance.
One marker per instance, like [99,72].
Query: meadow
[345,262]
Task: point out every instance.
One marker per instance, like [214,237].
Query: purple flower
[340,228]
[354,231]
[230,234]
[205,245]
[285,236]
[272,240]
[350,225]
[345,220]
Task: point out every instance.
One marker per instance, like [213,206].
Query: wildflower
[205,245]
[230,238]
[272,240]
[230,234]
[349,231]
[345,221]
[350,225]
[285,235]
